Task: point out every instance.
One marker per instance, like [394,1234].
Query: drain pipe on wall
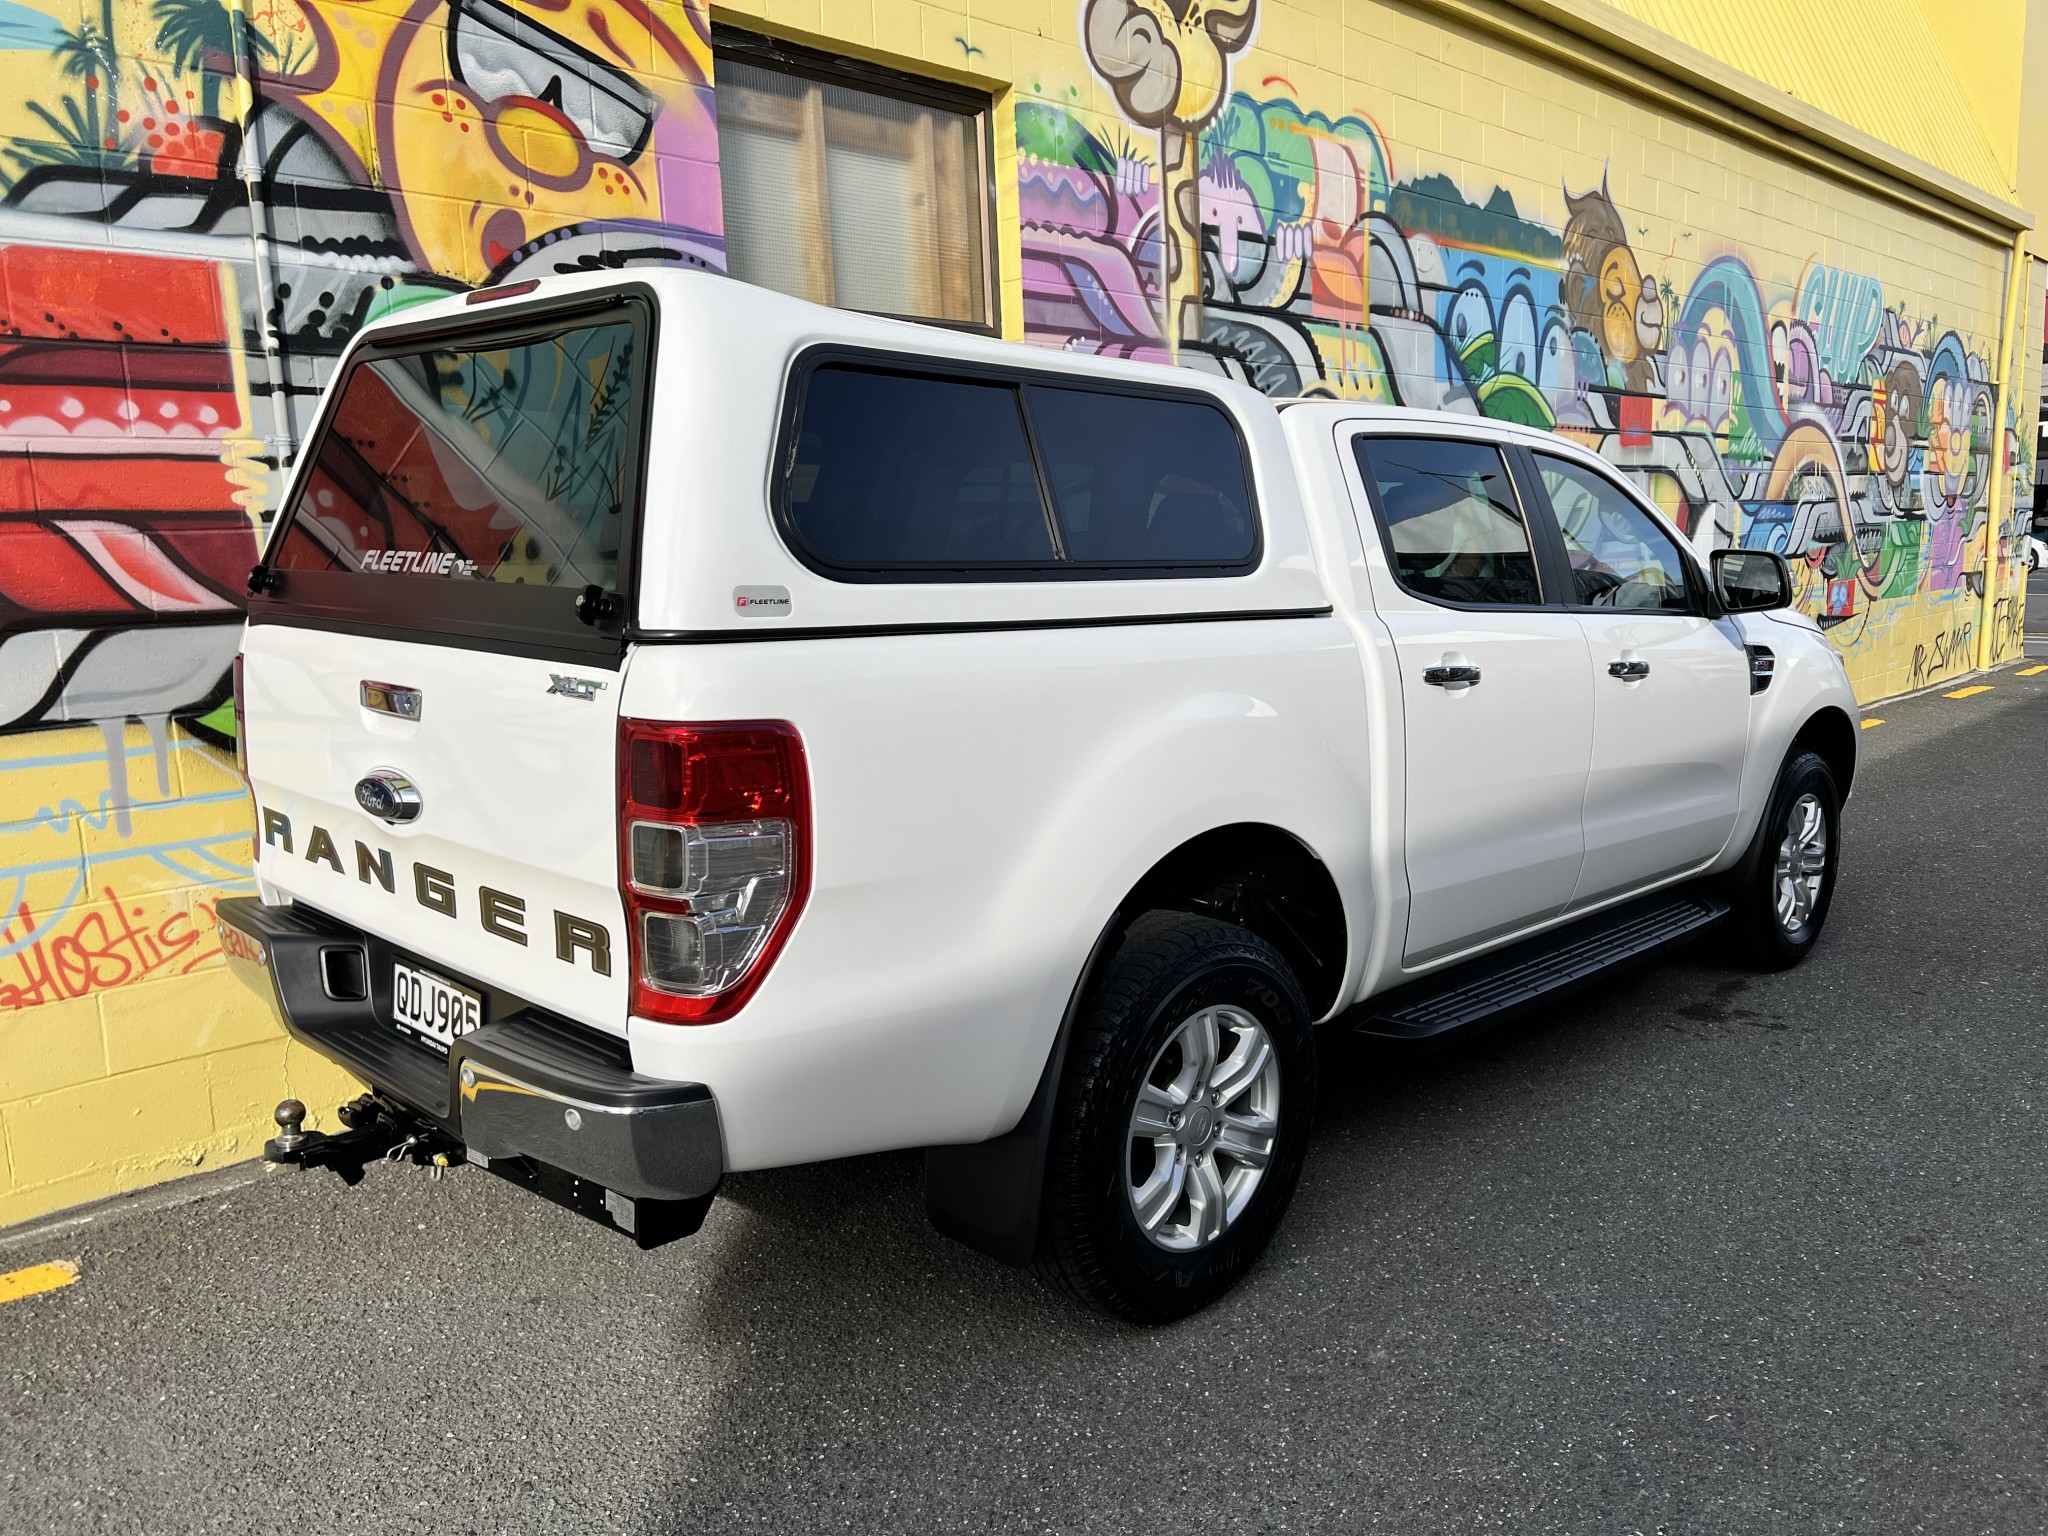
[282,439]
[2000,505]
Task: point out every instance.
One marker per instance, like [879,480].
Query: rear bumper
[526,1089]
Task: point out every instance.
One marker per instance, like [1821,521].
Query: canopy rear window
[474,483]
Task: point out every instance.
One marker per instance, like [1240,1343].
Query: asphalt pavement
[1697,1251]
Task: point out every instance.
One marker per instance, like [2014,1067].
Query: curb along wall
[203,199]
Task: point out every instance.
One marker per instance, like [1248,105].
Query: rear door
[1495,689]
[431,726]
[1670,688]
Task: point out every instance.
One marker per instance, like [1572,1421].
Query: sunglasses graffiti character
[498,125]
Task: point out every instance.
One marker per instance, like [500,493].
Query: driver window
[1620,558]
[1454,528]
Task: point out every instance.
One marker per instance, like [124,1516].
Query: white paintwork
[984,801]
[1667,748]
[518,792]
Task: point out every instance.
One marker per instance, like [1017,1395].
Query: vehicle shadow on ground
[829,1281]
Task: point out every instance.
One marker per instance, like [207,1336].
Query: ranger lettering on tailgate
[501,914]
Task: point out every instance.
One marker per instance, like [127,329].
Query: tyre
[1782,897]
[1182,1118]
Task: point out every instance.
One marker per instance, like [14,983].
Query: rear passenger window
[1453,524]
[894,473]
[1143,480]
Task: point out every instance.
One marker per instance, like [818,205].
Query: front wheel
[1782,902]
[1182,1119]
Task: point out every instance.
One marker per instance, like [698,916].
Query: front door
[1670,690]
[1496,692]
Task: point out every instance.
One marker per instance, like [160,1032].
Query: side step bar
[1495,987]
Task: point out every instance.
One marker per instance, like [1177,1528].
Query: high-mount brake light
[714,859]
[502,291]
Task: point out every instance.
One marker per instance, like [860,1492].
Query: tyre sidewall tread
[1168,966]
[1761,939]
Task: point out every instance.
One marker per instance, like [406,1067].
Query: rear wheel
[1782,902]
[1181,1123]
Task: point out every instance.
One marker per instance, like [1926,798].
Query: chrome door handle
[1450,676]
[1628,671]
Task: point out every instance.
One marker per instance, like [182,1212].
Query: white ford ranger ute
[692,730]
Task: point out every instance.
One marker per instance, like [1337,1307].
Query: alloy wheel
[1802,863]
[1203,1129]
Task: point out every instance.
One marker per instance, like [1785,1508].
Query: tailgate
[509,871]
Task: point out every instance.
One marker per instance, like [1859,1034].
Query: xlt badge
[584,688]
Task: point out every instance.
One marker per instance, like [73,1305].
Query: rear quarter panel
[982,802]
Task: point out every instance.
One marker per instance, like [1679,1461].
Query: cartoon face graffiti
[496,121]
[1699,377]
[1168,61]
[1605,291]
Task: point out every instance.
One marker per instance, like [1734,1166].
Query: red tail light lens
[714,859]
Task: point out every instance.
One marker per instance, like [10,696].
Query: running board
[1496,986]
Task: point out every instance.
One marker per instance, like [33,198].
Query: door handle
[1449,676]
[1628,671]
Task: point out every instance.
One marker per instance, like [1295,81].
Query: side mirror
[1751,580]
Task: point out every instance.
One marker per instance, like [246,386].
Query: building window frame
[773,54]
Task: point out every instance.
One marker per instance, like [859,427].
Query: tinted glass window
[505,463]
[893,471]
[1452,519]
[1620,557]
[1143,480]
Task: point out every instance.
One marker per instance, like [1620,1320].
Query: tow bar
[372,1128]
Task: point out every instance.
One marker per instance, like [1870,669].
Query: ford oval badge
[388,795]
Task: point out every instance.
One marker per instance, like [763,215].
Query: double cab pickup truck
[692,731]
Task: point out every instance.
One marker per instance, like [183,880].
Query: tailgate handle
[391,699]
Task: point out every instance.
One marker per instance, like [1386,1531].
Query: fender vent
[1763,666]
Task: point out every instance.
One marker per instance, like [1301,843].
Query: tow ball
[372,1128]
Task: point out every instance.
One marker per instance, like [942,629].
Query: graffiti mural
[1797,408]
[200,202]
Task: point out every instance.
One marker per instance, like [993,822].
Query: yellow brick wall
[127,1053]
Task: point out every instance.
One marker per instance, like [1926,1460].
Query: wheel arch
[1831,735]
[989,1194]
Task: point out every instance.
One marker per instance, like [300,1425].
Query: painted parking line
[1868,724]
[2032,671]
[1969,692]
[36,1279]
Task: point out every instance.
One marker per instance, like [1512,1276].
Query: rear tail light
[714,859]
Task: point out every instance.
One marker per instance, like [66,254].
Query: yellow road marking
[1964,693]
[1869,723]
[2031,671]
[36,1279]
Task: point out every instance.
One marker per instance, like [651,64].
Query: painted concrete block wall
[203,199]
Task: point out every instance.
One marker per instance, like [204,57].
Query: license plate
[436,1011]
